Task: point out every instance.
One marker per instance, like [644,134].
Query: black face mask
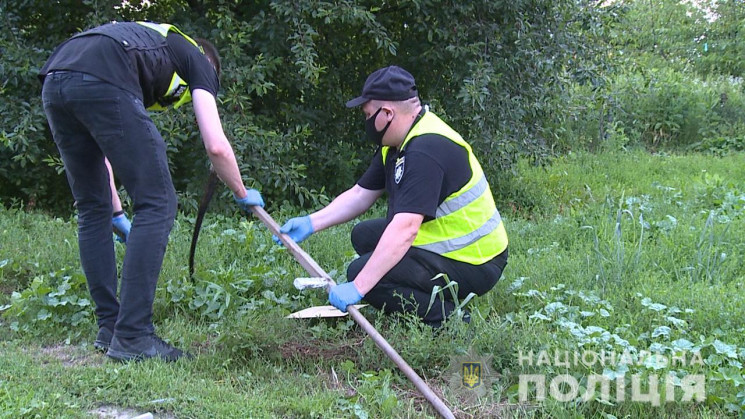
[373,135]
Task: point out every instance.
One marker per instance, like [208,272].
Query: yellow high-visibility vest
[178,90]
[467,226]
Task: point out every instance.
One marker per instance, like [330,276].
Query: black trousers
[408,285]
[90,119]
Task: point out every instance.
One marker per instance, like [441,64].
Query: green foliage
[643,349]
[372,389]
[663,108]
[23,145]
[32,245]
[520,78]
[722,145]
[490,68]
[28,31]
[722,46]
[451,287]
[51,305]
[628,253]
[664,80]
[667,32]
[658,109]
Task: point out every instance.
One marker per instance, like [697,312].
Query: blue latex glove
[253,198]
[343,295]
[298,228]
[121,227]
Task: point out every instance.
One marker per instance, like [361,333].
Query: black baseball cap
[389,83]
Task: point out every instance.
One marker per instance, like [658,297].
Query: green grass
[620,251]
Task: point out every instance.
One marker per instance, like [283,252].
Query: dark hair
[211,52]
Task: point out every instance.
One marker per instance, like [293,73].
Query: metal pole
[314,269]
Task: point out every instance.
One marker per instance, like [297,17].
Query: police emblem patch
[399,170]
[471,374]
[179,90]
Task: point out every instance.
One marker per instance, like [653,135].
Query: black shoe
[143,347]
[103,339]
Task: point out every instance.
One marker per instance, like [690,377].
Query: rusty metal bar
[314,269]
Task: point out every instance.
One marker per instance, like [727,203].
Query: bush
[656,108]
[489,68]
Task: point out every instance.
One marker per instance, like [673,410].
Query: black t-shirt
[105,58]
[433,168]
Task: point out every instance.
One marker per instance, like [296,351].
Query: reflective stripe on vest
[467,226]
[178,92]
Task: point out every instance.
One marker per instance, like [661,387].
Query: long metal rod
[314,269]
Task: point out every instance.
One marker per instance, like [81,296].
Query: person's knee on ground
[366,235]
[391,297]
[396,300]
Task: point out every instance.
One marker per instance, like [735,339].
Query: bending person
[97,89]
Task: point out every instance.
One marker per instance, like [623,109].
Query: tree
[723,46]
[492,68]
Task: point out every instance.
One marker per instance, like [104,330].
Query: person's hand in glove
[252,199]
[121,226]
[343,295]
[298,228]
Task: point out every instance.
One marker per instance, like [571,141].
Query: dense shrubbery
[490,67]
[666,80]
[518,78]
[657,109]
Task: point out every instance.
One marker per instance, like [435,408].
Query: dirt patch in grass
[71,356]
[321,350]
[115,412]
